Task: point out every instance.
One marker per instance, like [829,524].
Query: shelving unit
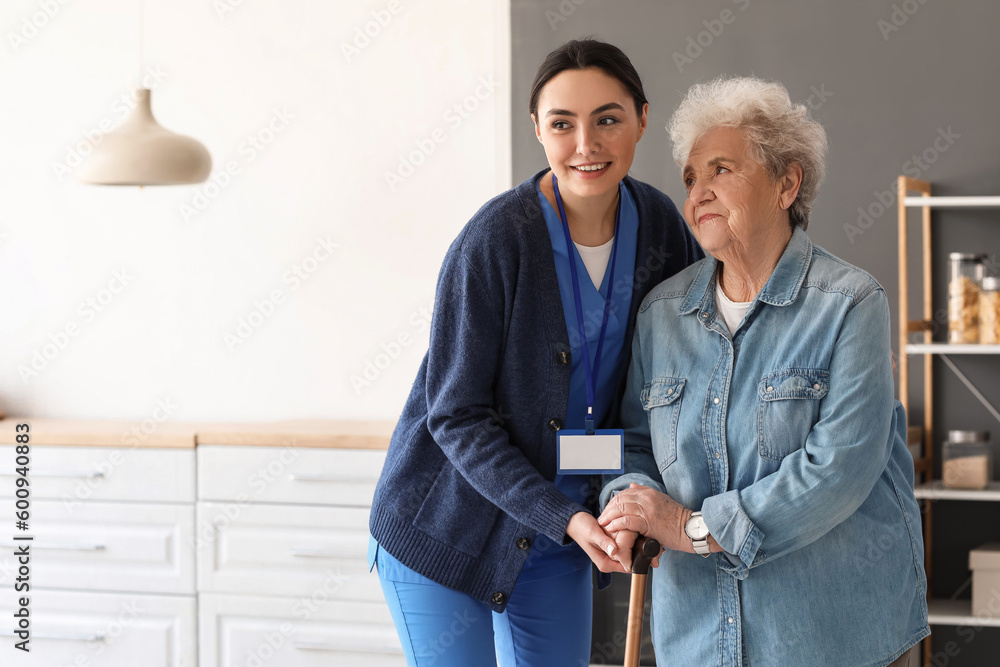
[940,612]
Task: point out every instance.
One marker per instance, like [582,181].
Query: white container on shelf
[985,565]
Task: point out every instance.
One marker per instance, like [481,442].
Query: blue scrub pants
[547,622]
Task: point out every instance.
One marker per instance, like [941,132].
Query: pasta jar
[967,462]
[989,311]
[963,297]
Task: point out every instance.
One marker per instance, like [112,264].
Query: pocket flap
[661,391]
[794,383]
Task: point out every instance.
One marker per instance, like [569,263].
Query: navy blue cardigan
[467,481]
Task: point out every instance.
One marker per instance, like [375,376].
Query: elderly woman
[764,448]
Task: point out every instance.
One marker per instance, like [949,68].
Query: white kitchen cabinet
[88,629]
[168,554]
[140,547]
[296,632]
[282,574]
[300,475]
[282,550]
[75,474]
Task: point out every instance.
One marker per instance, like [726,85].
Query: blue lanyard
[590,373]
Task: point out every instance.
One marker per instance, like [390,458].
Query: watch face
[696,528]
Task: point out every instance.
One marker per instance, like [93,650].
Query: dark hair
[584,53]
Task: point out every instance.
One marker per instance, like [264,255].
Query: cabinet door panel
[78,474]
[106,629]
[309,476]
[282,631]
[289,550]
[108,546]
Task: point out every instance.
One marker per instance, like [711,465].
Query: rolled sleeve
[734,531]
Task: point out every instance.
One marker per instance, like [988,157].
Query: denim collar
[781,289]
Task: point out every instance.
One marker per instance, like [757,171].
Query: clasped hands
[637,510]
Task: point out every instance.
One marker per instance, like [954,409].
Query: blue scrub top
[547,558]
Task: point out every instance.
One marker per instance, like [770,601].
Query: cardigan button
[497,597]
[563,358]
[523,544]
[555,424]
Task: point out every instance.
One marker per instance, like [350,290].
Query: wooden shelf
[956,612]
[952,202]
[952,348]
[938,491]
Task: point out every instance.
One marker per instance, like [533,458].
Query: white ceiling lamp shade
[140,151]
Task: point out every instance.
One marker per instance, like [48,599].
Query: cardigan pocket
[661,399]
[456,514]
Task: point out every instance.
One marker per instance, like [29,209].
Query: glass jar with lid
[966,460]
[963,297]
[989,311]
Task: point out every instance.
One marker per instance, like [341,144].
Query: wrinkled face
[587,123]
[732,204]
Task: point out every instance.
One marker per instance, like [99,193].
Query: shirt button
[716,400]
[669,391]
[816,387]
[730,619]
[563,358]
[704,316]
[718,455]
[522,543]
[554,425]
[497,597]
[770,388]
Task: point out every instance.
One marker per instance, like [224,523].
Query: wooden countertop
[339,434]
[329,433]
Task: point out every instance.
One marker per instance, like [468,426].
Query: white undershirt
[732,312]
[596,259]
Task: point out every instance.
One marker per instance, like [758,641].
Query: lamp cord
[141,24]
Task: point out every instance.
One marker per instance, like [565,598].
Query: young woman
[483,547]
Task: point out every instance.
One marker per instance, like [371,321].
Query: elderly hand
[651,513]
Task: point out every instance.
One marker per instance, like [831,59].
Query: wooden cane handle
[644,550]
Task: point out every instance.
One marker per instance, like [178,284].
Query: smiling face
[732,205]
[587,123]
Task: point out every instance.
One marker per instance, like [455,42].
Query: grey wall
[884,92]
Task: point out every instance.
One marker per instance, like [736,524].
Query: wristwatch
[697,531]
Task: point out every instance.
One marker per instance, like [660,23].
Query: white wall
[329,125]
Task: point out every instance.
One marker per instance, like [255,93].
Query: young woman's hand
[585,531]
[625,539]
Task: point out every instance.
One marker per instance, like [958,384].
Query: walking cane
[644,550]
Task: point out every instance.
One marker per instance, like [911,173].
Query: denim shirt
[787,437]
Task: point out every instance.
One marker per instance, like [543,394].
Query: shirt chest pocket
[661,399]
[789,407]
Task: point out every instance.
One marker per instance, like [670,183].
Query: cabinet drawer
[285,550]
[78,474]
[108,546]
[106,629]
[292,632]
[289,474]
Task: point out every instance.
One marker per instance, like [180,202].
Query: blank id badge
[602,453]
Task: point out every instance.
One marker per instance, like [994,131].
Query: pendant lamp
[140,151]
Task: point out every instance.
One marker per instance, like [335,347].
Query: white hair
[777,132]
